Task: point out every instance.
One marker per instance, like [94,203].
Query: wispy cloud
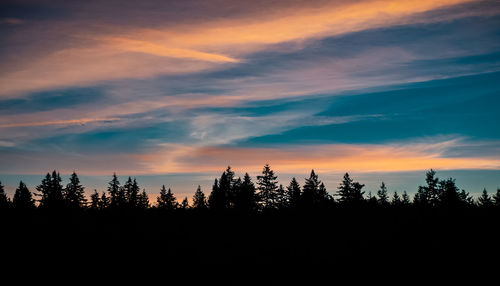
[134,53]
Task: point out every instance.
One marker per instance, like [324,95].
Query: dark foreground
[283,246]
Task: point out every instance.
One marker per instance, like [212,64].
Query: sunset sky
[171,92]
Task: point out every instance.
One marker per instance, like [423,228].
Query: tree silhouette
[496,198]
[383,198]
[396,199]
[199,200]
[267,184]
[51,191]
[117,195]
[314,193]
[246,198]
[131,192]
[142,200]
[23,200]
[485,200]
[223,191]
[294,194]
[104,202]
[428,195]
[350,192]
[166,200]
[405,199]
[4,200]
[74,193]
[94,200]
[184,204]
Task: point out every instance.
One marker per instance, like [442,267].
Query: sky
[172,92]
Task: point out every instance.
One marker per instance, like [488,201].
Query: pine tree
[23,199]
[117,195]
[4,200]
[199,200]
[74,193]
[294,193]
[142,200]
[383,198]
[428,195]
[51,191]
[396,200]
[405,199]
[267,184]
[184,204]
[496,198]
[350,192]
[485,200]
[372,200]
[246,198]
[104,202]
[166,200]
[131,192]
[94,200]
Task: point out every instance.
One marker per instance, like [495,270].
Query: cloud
[324,158]
[87,55]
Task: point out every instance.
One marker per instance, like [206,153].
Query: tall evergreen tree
[313,192]
[216,199]
[104,202]
[485,200]
[294,193]
[51,191]
[199,200]
[496,198]
[131,192]
[94,200]
[4,200]
[142,200]
[350,192]
[405,199]
[184,204]
[74,193]
[267,184]
[117,194]
[428,195]
[396,199]
[383,198]
[23,199]
[166,200]
[246,198]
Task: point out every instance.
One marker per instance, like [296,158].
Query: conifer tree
[405,199]
[142,200]
[4,200]
[94,200]
[485,200]
[117,195]
[104,202]
[23,199]
[396,199]
[496,198]
[51,191]
[166,200]
[383,198]
[246,198]
[350,192]
[428,195]
[184,204]
[294,193]
[267,184]
[74,193]
[199,200]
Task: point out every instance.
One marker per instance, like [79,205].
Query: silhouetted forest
[242,223]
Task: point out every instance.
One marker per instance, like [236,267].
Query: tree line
[231,193]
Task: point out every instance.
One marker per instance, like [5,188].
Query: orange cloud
[323,158]
[138,53]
